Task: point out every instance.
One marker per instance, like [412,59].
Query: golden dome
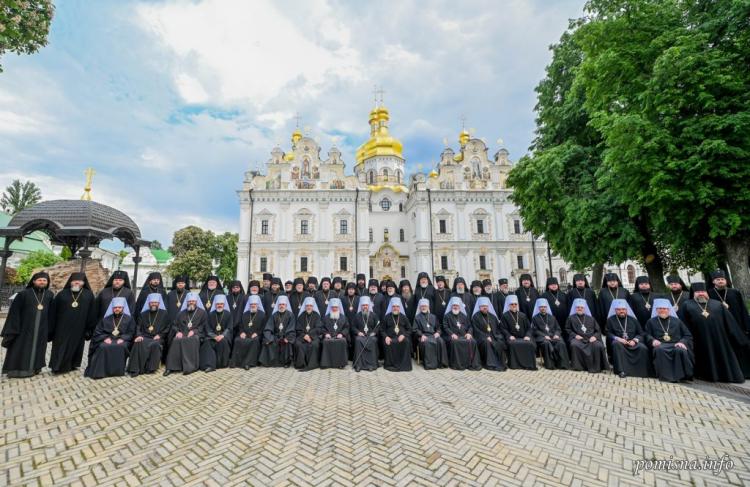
[463,137]
[381,143]
[434,174]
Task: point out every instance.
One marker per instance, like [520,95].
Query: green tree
[667,85]
[194,262]
[156,245]
[194,251]
[18,196]
[24,25]
[557,187]
[227,255]
[33,261]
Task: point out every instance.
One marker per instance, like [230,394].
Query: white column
[243,264]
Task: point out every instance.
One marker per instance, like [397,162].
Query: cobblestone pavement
[337,427]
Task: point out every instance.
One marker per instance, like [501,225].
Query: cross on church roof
[297,118]
[463,122]
[376,92]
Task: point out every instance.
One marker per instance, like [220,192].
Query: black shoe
[622,375]
[133,374]
[167,372]
[188,373]
[209,369]
[247,367]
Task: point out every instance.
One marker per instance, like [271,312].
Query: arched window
[398,177]
[385,204]
[563,275]
[371,177]
[385,173]
[631,274]
[386,235]
[400,207]
[371,237]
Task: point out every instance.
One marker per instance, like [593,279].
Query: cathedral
[307,217]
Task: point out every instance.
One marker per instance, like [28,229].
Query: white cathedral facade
[306,217]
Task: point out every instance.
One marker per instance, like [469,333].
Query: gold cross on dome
[89,172]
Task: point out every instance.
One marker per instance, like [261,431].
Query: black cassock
[432,350]
[214,354]
[25,333]
[716,339]
[641,304]
[678,299]
[427,293]
[278,337]
[246,351]
[498,300]
[365,346]
[307,354]
[398,353]
[580,293]
[207,297]
[296,299]
[440,302]
[527,297]
[146,354]
[584,354]
[671,364]
[184,352]
[143,295]
[490,340]
[462,351]
[108,360]
[334,351]
[350,307]
[736,303]
[632,361]
[105,297]
[236,304]
[559,305]
[175,297]
[522,347]
[322,298]
[69,326]
[554,350]
[606,296]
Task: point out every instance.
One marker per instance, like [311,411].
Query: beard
[75,289]
[191,307]
[154,308]
[335,316]
[455,311]
[701,299]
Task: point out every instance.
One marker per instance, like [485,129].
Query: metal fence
[5,293]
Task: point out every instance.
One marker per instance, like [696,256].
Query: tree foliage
[33,261]
[199,252]
[24,25]
[18,196]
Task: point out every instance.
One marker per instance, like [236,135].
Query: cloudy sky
[172,101]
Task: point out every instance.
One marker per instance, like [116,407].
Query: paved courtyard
[333,427]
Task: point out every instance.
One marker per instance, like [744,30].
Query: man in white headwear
[216,347]
[519,335]
[396,331]
[186,335]
[111,341]
[279,335]
[151,334]
[671,343]
[587,351]
[457,331]
[548,335]
[307,343]
[630,356]
[334,336]
[249,334]
[489,335]
[365,332]
[427,335]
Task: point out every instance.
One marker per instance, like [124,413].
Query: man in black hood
[581,290]
[424,290]
[276,290]
[288,287]
[642,299]
[498,297]
[679,292]
[211,287]
[338,287]
[180,288]
[441,297]
[297,295]
[557,299]
[325,294]
[732,299]
[236,301]
[611,289]
[459,290]
[72,318]
[361,284]
[26,328]
[266,286]
[153,284]
[312,285]
[118,286]
[377,299]
[527,294]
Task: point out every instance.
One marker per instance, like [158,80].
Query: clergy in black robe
[26,328]
[272,295]
[424,290]
[678,294]
[211,287]
[365,330]
[216,347]
[671,344]
[489,334]
[557,300]
[440,298]
[325,294]
[111,342]
[408,305]
[628,353]
[176,296]
[642,299]
[580,290]
[153,284]
[186,335]
[587,350]
[390,293]
[717,338]
[248,336]
[72,318]
[337,286]
[312,285]
[350,301]
[361,285]
[279,335]
[288,287]
[527,294]
[732,299]
[460,291]
[457,330]
[307,341]
[396,330]
[475,291]
[611,289]
[519,335]
[267,279]
[487,287]
[430,343]
[498,297]
[377,300]
[297,295]
[152,331]
[236,301]
[118,286]
[334,337]
[549,336]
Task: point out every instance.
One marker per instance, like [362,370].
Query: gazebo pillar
[5,255]
[136,260]
[84,253]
